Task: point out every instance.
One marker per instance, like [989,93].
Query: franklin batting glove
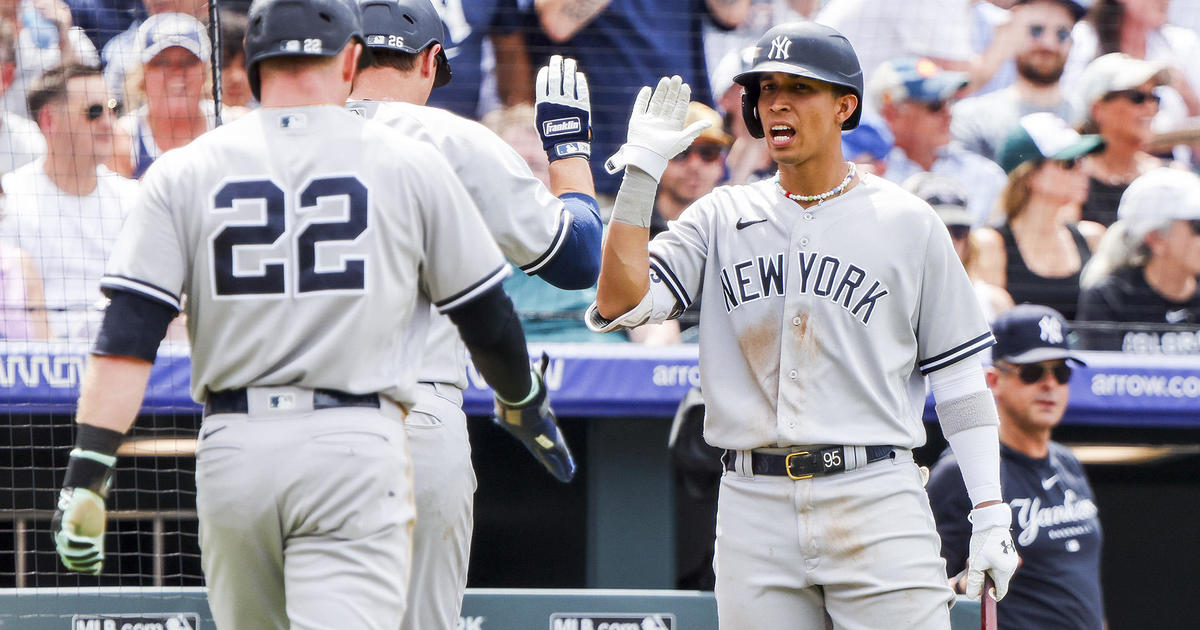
[80,520]
[656,132]
[991,550]
[532,421]
[564,110]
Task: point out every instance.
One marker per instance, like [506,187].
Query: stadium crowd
[1035,116]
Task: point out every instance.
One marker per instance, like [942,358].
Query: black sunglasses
[94,111]
[936,106]
[1037,30]
[1137,97]
[1031,373]
[708,153]
[1068,164]
[959,232]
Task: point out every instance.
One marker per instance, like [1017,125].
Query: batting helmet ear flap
[750,112]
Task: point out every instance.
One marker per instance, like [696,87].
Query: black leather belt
[804,464]
[235,401]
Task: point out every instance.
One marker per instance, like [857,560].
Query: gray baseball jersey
[526,220]
[817,324]
[304,264]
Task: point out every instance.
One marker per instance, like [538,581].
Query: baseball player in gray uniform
[302,236]
[553,233]
[829,296]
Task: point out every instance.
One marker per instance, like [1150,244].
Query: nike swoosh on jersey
[743,224]
[1049,483]
[207,434]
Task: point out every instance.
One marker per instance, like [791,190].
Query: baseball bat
[987,605]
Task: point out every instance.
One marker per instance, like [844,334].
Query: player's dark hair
[52,85]
[233,34]
[395,59]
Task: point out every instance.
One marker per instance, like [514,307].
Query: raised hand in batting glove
[991,549]
[532,421]
[656,132]
[564,110]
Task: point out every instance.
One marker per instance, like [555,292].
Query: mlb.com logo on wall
[612,621]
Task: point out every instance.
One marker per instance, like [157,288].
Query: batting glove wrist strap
[92,459]
[564,111]
[535,425]
[656,132]
[991,550]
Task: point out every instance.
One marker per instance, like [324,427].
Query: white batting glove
[991,549]
[564,111]
[656,132]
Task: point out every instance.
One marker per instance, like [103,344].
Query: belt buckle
[787,464]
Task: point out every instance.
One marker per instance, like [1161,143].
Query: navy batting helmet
[407,26]
[299,28]
[804,49]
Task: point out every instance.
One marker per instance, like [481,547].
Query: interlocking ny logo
[1051,330]
[779,48]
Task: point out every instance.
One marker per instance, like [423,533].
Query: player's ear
[846,104]
[991,375]
[350,62]
[429,60]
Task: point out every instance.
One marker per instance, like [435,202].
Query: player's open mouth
[781,134]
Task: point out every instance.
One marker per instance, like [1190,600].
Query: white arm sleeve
[967,413]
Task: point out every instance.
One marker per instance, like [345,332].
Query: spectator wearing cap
[121,53]
[1036,254]
[747,159]
[1040,34]
[1120,100]
[1145,270]
[1140,30]
[20,140]
[914,95]
[1056,524]
[168,91]
[66,209]
[949,201]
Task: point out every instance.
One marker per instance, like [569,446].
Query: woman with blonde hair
[1035,255]
[1145,269]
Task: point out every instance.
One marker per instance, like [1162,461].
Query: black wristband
[88,473]
[89,437]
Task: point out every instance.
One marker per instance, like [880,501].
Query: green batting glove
[79,530]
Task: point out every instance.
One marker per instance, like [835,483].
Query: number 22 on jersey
[298,267]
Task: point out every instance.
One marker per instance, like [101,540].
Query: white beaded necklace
[823,196]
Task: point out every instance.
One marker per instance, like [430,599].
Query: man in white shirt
[66,209]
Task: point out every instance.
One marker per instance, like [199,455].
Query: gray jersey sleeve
[678,256]
[461,260]
[149,254]
[950,323]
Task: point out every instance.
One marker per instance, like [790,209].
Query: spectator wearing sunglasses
[1036,254]
[1140,30]
[949,201]
[1144,274]
[1121,97]
[1039,32]
[914,95]
[1056,526]
[66,209]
